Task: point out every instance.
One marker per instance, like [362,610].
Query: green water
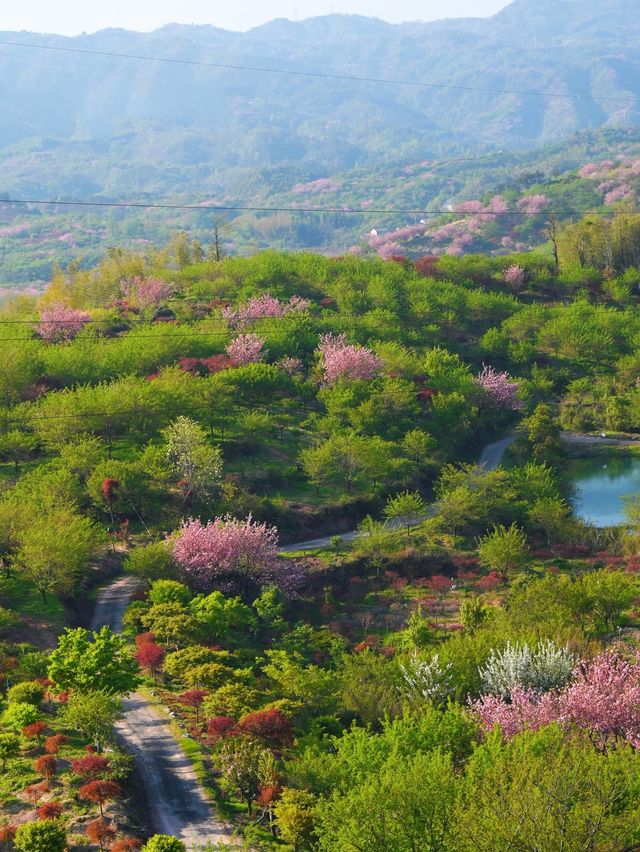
[600,484]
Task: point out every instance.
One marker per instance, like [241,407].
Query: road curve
[490,458]
[177,802]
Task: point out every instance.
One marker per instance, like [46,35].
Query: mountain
[77,125]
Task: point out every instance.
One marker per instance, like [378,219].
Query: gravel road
[177,803]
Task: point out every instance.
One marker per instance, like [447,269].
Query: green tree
[195,462]
[46,836]
[20,714]
[55,550]
[418,445]
[93,662]
[240,760]
[294,814]
[17,446]
[93,714]
[169,591]
[406,805]
[151,562]
[406,509]
[172,623]
[552,515]
[543,434]
[503,550]
[9,749]
[546,791]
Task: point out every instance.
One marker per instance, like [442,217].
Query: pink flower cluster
[618,194]
[340,358]
[265,307]
[322,185]
[61,323]
[514,276]
[603,700]
[147,292]
[533,205]
[592,170]
[226,546]
[246,349]
[501,388]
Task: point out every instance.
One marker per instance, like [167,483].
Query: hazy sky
[75,16]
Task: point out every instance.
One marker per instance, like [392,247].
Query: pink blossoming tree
[340,358]
[61,323]
[147,292]
[265,306]
[227,548]
[515,277]
[246,349]
[501,388]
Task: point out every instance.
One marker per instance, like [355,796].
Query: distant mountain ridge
[101,127]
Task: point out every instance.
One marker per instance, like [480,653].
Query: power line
[315,74]
[207,208]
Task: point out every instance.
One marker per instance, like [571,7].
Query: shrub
[164,843]
[19,715]
[540,669]
[28,692]
[48,836]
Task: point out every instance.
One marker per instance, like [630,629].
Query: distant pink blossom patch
[147,292]
[533,205]
[60,322]
[322,185]
[340,358]
[501,388]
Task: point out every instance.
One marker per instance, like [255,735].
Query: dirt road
[177,802]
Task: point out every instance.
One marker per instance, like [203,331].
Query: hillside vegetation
[463,675]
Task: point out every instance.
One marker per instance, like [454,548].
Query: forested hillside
[462,674]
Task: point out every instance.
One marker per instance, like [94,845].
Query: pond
[600,484]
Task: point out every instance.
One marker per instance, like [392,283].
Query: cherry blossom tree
[246,349]
[265,306]
[60,322]
[147,292]
[514,277]
[340,358]
[501,388]
[226,548]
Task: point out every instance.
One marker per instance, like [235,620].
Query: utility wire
[314,74]
[207,208]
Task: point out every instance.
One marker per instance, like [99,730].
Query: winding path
[490,458]
[177,803]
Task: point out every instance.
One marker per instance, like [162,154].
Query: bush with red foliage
[34,792]
[193,698]
[108,490]
[46,765]
[54,743]
[144,639]
[150,656]
[92,766]
[100,832]
[35,731]
[427,266]
[489,582]
[271,727]
[7,833]
[99,792]
[50,810]
[127,844]
[221,726]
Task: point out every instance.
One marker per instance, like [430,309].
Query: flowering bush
[501,388]
[340,358]
[246,349]
[429,680]
[539,669]
[514,277]
[147,292]
[61,323]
